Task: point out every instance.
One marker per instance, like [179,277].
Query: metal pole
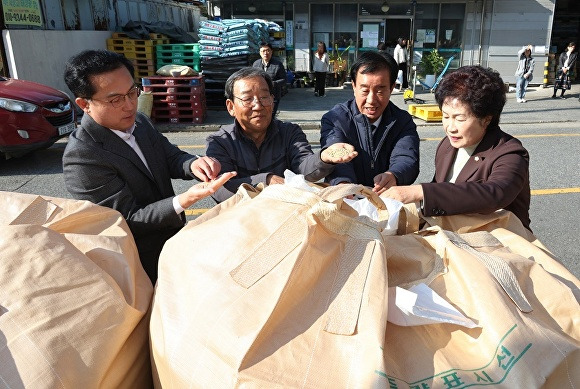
[480,50]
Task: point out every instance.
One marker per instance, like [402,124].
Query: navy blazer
[496,176]
[394,148]
[101,167]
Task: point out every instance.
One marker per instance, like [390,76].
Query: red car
[32,116]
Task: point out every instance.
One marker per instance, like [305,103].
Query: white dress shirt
[129,138]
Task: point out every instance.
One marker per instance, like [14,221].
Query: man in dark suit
[275,70]
[116,158]
[383,134]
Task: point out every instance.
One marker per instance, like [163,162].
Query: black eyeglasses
[119,100]
[248,102]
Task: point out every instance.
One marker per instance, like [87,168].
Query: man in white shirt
[116,157]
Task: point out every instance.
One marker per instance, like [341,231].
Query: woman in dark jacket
[478,167]
[565,67]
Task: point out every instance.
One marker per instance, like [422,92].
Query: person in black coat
[275,70]
[565,67]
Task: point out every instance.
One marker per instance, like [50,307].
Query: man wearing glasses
[116,158]
[275,70]
[260,148]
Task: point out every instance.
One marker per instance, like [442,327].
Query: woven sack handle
[496,265]
[353,264]
[337,192]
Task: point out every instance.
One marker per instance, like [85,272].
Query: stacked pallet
[179,54]
[176,99]
[141,52]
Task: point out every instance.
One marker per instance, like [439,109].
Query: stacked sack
[74,300]
[225,47]
[287,288]
[231,37]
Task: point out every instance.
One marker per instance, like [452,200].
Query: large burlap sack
[499,275]
[74,297]
[284,289]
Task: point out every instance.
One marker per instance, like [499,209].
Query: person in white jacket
[320,68]
[401,56]
[524,72]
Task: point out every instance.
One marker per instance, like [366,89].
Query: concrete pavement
[300,106]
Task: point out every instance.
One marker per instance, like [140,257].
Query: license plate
[66,129]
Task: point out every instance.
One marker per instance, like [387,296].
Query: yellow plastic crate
[427,112]
[122,49]
[138,55]
[158,36]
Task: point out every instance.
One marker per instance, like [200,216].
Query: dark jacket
[571,61]
[100,167]
[276,71]
[394,148]
[495,177]
[285,147]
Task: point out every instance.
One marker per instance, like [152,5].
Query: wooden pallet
[194,99]
[195,64]
[122,35]
[178,119]
[138,55]
[144,72]
[121,49]
[194,104]
[179,111]
[164,81]
[179,46]
[143,62]
[135,42]
[176,53]
[427,112]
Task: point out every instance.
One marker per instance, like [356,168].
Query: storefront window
[345,26]
[426,27]
[451,32]
[439,26]
[345,34]
[321,16]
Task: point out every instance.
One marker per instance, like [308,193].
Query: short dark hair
[373,62]
[88,63]
[244,73]
[481,89]
[266,44]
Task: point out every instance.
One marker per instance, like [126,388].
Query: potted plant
[431,64]
[339,64]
